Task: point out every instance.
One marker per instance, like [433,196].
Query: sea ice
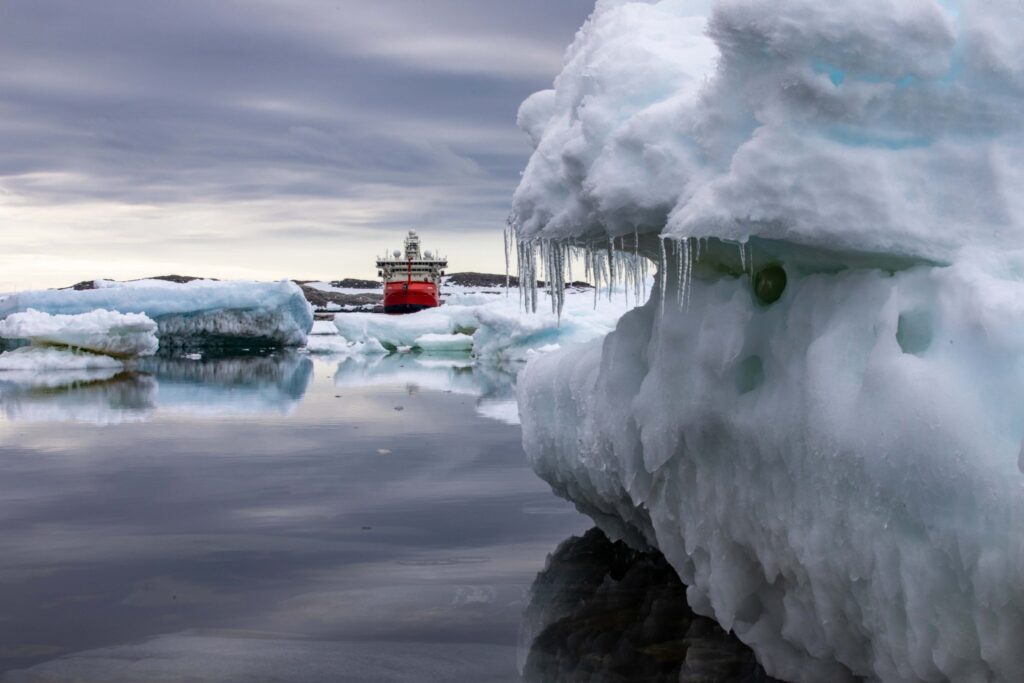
[187,314]
[836,477]
[105,332]
[878,126]
[816,417]
[497,329]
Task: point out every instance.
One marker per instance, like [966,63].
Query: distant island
[351,295]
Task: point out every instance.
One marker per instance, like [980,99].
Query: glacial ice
[830,458]
[109,333]
[197,312]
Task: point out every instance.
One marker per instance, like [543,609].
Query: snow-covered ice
[816,417]
[493,328]
[877,126]
[197,312]
[103,332]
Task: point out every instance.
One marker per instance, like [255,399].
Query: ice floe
[104,332]
[197,313]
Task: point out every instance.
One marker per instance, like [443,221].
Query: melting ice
[817,416]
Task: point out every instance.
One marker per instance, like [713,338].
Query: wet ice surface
[273,518]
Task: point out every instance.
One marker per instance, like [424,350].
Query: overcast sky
[262,138]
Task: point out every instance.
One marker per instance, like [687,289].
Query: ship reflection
[603,613]
[248,385]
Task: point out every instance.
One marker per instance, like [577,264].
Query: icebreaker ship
[818,415]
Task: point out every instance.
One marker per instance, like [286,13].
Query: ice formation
[193,313]
[816,417]
[496,329]
[104,332]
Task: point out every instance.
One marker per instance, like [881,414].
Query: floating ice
[835,476]
[877,126]
[193,313]
[99,331]
[816,417]
[497,330]
[444,342]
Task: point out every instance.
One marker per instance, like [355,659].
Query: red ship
[412,281]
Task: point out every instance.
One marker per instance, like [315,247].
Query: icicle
[679,275]
[688,275]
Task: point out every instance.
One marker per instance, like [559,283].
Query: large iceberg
[817,416]
[197,313]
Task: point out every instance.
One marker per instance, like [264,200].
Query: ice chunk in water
[99,331]
[194,313]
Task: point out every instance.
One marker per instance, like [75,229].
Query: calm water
[282,519]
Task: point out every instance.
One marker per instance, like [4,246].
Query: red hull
[409,297]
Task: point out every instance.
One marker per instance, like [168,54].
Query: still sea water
[277,518]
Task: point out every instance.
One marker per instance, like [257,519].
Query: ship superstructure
[412,279]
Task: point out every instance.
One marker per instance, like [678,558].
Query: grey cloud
[139,102]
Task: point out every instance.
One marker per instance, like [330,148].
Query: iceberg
[816,416]
[193,314]
[102,332]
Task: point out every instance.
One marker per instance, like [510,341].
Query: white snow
[275,312]
[99,331]
[837,476]
[876,126]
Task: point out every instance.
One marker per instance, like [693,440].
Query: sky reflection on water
[270,504]
[276,518]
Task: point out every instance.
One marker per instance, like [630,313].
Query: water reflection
[493,386]
[603,613]
[250,385]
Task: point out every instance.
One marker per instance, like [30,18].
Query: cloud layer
[264,138]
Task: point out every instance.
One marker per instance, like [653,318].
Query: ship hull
[409,297]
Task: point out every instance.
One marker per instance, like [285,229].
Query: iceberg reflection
[492,384]
[248,385]
[601,612]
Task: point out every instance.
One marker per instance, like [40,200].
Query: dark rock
[181,279]
[353,283]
